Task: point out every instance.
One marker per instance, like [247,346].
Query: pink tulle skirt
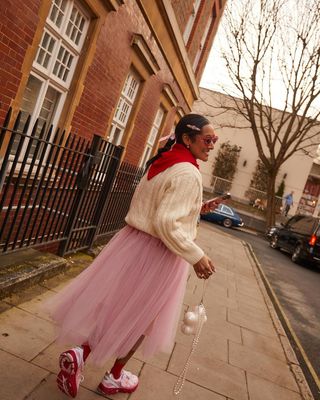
[134,287]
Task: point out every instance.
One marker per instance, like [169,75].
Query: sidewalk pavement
[243,352]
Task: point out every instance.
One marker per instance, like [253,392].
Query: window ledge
[142,49]
[113,5]
[170,95]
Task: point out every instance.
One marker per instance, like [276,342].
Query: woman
[133,291]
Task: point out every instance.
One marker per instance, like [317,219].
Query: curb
[306,377]
[31,272]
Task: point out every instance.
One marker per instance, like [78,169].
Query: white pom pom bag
[192,324]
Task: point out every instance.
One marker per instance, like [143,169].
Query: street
[297,289]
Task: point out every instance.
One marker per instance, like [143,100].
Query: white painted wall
[232,128]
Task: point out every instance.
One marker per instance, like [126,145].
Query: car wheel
[296,256]
[274,242]
[227,223]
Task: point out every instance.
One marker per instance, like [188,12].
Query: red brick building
[123,69]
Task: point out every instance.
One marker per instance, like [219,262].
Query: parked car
[300,236]
[224,215]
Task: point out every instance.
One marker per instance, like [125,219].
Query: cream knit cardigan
[168,206]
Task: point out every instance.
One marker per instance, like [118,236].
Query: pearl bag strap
[202,317]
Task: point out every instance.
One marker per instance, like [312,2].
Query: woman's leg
[117,381]
[86,351]
[121,362]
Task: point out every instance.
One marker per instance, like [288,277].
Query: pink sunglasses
[209,140]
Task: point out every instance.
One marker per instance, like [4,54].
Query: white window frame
[124,107]
[41,97]
[156,126]
[45,75]
[190,23]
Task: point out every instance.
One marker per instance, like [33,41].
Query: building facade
[300,173]
[90,87]
[126,70]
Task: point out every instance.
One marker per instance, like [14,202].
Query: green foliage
[226,161]
[259,182]
[260,177]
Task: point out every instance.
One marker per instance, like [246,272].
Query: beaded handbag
[191,325]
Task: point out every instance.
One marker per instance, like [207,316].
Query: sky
[215,76]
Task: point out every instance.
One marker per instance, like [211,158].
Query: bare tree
[271,48]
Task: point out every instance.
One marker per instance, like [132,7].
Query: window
[124,107]
[304,225]
[55,61]
[152,136]
[189,26]
[226,209]
[204,38]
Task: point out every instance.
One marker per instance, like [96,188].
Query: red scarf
[179,153]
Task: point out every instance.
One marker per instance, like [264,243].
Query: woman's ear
[186,140]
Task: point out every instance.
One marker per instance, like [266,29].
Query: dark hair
[191,124]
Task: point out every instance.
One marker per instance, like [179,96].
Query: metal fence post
[105,194]
[82,183]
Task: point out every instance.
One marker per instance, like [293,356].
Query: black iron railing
[63,192]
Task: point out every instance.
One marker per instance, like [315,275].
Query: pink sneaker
[71,365]
[71,360]
[126,383]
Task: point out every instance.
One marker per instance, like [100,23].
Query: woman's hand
[204,268]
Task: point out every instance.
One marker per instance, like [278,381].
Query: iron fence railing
[243,194]
[64,192]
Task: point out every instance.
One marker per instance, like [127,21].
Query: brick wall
[18,24]
[204,13]
[182,11]
[107,71]
[106,76]
[209,41]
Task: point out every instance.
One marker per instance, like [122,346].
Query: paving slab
[256,324]
[262,365]
[212,343]
[160,360]
[249,301]
[18,377]
[24,334]
[47,390]
[34,306]
[251,310]
[253,292]
[47,358]
[261,389]
[263,344]
[158,385]
[216,375]
[225,329]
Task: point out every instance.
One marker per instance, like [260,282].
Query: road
[297,288]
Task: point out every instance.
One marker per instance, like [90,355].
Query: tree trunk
[271,206]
